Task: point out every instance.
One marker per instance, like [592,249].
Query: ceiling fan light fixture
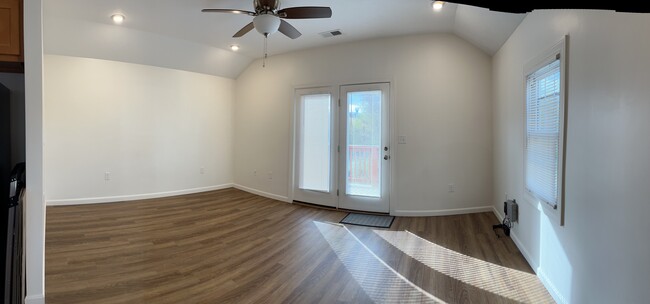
[266,24]
[437,5]
[118,18]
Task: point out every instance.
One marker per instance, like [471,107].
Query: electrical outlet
[451,188]
[202,170]
[270,175]
[107,176]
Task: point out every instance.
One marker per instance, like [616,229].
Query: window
[314,142]
[544,140]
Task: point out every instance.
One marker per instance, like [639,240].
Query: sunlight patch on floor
[380,282]
[506,282]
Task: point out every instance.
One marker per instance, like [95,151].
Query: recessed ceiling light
[437,5]
[117,18]
[234,47]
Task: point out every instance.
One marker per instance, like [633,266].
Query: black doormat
[369,220]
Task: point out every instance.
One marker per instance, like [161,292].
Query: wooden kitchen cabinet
[11,35]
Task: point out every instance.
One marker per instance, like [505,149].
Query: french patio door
[315,155]
[342,150]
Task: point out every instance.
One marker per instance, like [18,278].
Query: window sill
[553,214]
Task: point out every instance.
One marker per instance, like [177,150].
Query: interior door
[315,161]
[364,169]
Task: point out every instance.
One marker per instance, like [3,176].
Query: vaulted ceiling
[357,20]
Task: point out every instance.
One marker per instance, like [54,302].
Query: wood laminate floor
[229,246]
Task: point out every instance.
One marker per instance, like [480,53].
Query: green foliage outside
[364,118]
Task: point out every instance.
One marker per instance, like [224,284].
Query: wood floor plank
[229,246]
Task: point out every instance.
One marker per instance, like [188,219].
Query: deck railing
[364,164]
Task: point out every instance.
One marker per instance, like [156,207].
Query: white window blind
[543,132]
[314,142]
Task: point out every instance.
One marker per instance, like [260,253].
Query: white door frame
[392,129]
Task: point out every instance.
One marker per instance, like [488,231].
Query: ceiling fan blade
[288,30]
[225,10]
[244,30]
[305,12]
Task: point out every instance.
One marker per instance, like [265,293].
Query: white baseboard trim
[124,198]
[520,245]
[497,214]
[550,287]
[35,299]
[262,193]
[524,251]
[441,212]
[533,264]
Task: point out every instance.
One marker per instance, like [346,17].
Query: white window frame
[556,211]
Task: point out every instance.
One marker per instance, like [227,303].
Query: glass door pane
[314,143]
[363,145]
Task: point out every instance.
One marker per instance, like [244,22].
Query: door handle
[386,157]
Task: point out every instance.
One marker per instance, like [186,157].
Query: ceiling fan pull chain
[266,38]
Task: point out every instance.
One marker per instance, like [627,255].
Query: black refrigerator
[14,259]
[5,167]
[12,183]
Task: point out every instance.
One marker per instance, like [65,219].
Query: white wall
[16,84]
[152,128]
[441,94]
[34,200]
[120,43]
[602,254]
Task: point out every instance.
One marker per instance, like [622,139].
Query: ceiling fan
[268,18]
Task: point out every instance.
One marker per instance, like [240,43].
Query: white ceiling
[357,19]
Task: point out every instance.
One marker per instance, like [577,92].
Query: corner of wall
[263,193]
[35,205]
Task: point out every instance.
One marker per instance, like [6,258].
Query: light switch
[401,139]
